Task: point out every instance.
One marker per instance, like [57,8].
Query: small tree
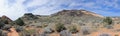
[19,22]
[108,20]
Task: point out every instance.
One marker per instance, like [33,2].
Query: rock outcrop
[29,16]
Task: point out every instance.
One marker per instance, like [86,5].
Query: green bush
[60,27]
[108,20]
[73,29]
[19,22]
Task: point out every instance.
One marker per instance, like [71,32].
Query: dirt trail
[13,32]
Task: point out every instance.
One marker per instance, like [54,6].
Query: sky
[16,8]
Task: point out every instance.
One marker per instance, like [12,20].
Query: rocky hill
[65,17]
[78,13]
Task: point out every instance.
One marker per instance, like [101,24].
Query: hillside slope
[65,17]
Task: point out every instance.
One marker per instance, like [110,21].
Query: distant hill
[29,16]
[78,13]
[64,16]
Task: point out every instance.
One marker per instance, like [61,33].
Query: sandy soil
[112,32]
[13,32]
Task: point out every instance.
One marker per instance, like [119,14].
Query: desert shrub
[2,25]
[19,28]
[65,33]
[27,32]
[6,27]
[73,29]
[60,27]
[44,25]
[108,21]
[31,31]
[19,22]
[85,30]
[104,34]
[38,26]
[48,30]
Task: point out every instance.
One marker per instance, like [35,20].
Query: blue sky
[16,8]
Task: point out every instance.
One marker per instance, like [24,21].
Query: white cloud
[13,12]
[37,3]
